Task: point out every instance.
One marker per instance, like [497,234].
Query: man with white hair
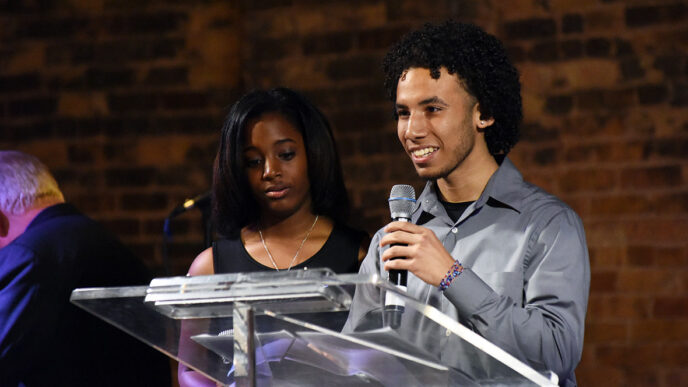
[47,249]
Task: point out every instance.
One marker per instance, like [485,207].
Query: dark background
[124,100]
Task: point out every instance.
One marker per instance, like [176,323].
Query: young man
[47,249]
[500,255]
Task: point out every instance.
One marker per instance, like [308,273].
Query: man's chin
[428,174]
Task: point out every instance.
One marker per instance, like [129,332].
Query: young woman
[279,195]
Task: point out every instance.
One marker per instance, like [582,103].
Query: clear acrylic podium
[286,329]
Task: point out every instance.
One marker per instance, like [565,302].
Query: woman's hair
[479,61]
[234,203]
[25,183]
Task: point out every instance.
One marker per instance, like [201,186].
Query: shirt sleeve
[18,296]
[547,329]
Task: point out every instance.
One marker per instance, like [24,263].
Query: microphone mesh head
[402,198]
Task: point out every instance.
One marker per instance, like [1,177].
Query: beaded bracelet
[454,271]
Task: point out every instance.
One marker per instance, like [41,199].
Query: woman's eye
[250,163]
[287,155]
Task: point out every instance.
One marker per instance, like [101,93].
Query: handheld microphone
[402,198]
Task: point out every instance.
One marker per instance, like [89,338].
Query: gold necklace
[297,251]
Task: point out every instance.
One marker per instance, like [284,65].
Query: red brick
[659,256]
[598,47]
[676,377]
[92,203]
[335,16]
[604,232]
[379,38]
[642,16]
[646,281]
[586,152]
[144,202]
[603,281]
[671,256]
[618,307]
[643,376]
[414,10]
[656,231]
[659,331]
[670,307]
[652,177]
[606,332]
[684,281]
[607,256]
[628,355]
[530,28]
[608,152]
[595,180]
[671,203]
[641,255]
[620,205]
[598,375]
[606,19]
[123,226]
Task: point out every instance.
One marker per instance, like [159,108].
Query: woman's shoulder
[231,256]
[203,263]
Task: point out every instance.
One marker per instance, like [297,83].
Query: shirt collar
[505,186]
[503,189]
[60,209]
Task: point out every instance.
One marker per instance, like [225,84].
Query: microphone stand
[203,203]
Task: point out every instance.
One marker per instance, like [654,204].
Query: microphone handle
[399,277]
[394,305]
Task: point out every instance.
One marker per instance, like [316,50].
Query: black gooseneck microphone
[402,199]
[203,203]
[188,204]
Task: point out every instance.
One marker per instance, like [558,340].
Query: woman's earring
[482,123]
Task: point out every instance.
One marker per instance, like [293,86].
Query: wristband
[454,271]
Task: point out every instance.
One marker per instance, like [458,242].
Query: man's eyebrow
[427,101]
[434,99]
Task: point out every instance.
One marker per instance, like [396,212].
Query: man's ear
[4,229]
[479,120]
[4,225]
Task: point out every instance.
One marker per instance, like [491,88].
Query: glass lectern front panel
[295,328]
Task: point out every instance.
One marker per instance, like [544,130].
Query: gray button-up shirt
[526,278]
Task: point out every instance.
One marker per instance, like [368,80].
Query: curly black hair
[480,62]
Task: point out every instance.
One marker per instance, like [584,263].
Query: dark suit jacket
[46,340]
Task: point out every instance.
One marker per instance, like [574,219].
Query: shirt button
[455,230]
[448,333]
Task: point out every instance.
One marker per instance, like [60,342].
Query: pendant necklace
[297,251]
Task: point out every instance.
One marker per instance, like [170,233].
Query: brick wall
[124,100]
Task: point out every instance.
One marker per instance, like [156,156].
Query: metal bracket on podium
[244,345]
[214,296]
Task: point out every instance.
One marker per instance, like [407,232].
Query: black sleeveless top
[339,253]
